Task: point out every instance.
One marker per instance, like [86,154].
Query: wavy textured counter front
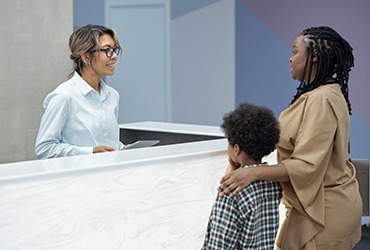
[152,198]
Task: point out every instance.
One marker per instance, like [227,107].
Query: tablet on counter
[141,144]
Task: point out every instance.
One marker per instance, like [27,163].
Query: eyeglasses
[108,51]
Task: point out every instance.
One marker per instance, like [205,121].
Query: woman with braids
[81,114]
[320,191]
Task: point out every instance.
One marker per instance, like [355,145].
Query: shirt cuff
[86,150]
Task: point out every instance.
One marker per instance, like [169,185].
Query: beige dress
[322,199]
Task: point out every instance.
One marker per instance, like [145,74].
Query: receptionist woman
[81,113]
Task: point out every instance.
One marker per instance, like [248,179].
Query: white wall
[143,72]
[203,64]
[34,60]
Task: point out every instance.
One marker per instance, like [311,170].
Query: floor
[364,244]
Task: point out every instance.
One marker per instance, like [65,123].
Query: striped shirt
[250,220]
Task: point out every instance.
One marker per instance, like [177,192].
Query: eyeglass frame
[116,50]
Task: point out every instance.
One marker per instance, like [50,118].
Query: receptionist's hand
[101,149]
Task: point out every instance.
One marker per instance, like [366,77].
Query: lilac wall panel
[264,34]
[350,18]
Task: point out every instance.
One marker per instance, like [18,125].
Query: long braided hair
[334,61]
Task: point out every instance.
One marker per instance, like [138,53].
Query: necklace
[255,165]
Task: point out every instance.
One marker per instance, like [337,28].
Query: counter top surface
[174,128]
[10,171]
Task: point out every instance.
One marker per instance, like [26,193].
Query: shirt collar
[85,88]
[104,90]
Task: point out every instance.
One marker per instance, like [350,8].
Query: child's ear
[236,149]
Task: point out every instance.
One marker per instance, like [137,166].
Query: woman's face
[298,59]
[101,63]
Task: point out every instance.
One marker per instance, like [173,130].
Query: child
[249,220]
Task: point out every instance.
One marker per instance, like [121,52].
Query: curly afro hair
[254,128]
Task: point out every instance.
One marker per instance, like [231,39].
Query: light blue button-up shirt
[77,118]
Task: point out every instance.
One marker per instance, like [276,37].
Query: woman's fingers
[226,189]
[225,182]
[225,178]
[236,191]
[232,183]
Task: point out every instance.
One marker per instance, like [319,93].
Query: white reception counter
[149,198]
[137,199]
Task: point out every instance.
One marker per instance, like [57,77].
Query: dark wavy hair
[84,39]
[254,128]
[335,60]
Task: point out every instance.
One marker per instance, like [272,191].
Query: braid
[334,60]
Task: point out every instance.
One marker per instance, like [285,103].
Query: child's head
[254,128]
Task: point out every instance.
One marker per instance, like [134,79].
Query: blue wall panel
[262,64]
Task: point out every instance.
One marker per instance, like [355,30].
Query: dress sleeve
[49,139]
[313,149]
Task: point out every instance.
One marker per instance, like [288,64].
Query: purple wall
[265,31]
